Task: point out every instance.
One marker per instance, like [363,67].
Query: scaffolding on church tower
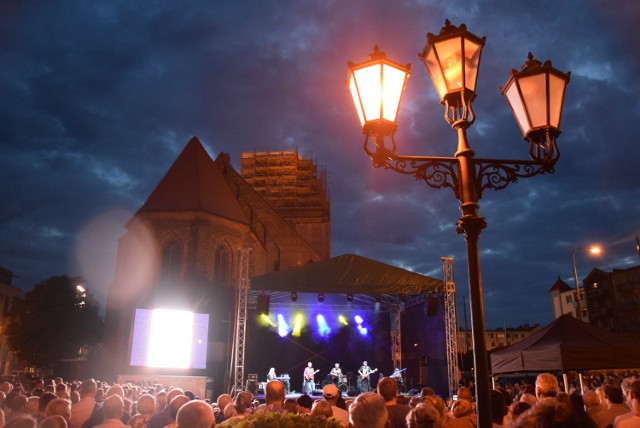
[241,321]
[396,339]
[451,324]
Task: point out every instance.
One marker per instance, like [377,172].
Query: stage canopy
[568,344]
[347,274]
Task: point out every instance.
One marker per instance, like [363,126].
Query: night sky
[97,99]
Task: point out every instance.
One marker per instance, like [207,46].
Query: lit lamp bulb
[453,70]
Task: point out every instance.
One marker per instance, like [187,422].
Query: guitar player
[309,374]
[364,383]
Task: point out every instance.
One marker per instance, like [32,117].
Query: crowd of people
[606,402]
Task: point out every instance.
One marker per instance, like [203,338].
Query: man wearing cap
[331,393]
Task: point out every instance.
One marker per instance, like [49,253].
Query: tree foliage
[52,322]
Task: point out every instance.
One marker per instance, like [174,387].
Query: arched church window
[171,260]
[222,266]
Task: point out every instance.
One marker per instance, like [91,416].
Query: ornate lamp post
[595,250]
[452,58]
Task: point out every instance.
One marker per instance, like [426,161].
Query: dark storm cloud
[99,99]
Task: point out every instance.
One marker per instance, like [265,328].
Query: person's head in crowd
[330,392]
[177,402]
[464,393]
[113,407]
[437,403]
[613,394]
[590,399]
[321,408]
[32,405]
[625,385]
[6,387]
[546,386]
[44,400]
[553,414]
[242,402]
[427,391]
[115,390]
[195,414]
[368,410]
[291,406]
[274,393]
[189,394]
[74,397]
[223,401]
[529,398]
[229,411]
[55,421]
[161,399]
[424,416]
[22,422]
[16,403]
[88,388]
[304,403]
[461,408]
[519,408]
[415,401]
[388,389]
[59,406]
[146,404]
[498,407]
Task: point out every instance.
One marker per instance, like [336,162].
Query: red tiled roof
[195,183]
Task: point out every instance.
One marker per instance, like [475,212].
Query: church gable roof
[560,286]
[195,183]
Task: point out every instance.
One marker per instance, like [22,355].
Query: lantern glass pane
[433,67]
[356,98]
[472,63]
[556,99]
[370,89]
[534,93]
[393,84]
[513,96]
[450,55]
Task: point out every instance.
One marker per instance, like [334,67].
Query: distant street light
[595,250]
[452,58]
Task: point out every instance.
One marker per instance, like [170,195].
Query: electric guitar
[308,378]
[366,376]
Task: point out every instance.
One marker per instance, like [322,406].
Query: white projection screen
[166,338]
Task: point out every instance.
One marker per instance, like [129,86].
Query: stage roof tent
[568,344]
[348,273]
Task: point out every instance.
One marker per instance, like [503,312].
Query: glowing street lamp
[593,250]
[452,58]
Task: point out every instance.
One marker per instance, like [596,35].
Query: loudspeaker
[262,304]
[432,306]
[252,386]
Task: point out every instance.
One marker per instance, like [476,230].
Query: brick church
[182,248]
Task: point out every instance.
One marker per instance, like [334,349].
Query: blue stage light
[358,319]
[323,327]
[363,330]
[283,326]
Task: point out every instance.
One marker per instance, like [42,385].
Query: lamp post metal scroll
[452,58]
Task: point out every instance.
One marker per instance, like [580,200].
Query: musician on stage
[396,375]
[309,374]
[336,374]
[364,382]
[272,374]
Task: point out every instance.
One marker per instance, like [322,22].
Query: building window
[222,266]
[171,260]
[568,298]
